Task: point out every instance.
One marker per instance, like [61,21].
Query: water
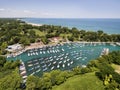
[110,26]
[63,57]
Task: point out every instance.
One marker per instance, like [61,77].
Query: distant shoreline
[34,24]
[108,25]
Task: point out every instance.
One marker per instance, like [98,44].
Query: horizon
[60,9]
[54,18]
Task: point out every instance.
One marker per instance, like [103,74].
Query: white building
[14,48]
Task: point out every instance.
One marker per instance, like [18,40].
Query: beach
[34,24]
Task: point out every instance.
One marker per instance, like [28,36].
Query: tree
[44,40]
[2,61]
[32,82]
[76,70]
[11,82]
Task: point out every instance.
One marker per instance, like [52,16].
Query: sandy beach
[34,24]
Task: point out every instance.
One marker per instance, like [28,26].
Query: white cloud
[48,14]
[25,13]
[29,12]
[1,9]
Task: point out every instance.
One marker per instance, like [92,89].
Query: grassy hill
[81,82]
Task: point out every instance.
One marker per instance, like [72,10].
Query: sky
[60,8]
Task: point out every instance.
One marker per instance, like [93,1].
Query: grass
[81,82]
[116,67]
[65,35]
[39,32]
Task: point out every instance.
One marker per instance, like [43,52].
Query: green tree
[11,81]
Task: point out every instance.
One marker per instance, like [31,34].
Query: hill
[86,81]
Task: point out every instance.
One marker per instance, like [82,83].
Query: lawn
[81,82]
[39,32]
[116,67]
[65,35]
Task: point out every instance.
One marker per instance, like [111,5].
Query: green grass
[65,35]
[39,32]
[81,82]
[116,67]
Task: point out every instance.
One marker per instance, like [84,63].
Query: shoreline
[34,24]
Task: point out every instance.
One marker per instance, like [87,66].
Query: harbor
[62,56]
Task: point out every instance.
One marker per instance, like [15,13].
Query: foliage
[18,31]
[11,81]
[87,81]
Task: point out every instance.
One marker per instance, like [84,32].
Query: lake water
[110,26]
[63,57]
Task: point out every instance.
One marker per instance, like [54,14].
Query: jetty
[22,71]
[105,51]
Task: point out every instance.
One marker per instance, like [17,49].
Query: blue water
[110,26]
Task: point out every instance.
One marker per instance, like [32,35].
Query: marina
[62,56]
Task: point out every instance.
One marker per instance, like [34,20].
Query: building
[14,48]
[55,39]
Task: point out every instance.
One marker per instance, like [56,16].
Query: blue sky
[60,8]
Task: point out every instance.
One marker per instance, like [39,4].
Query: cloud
[1,9]
[48,14]
[29,12]
[9,12]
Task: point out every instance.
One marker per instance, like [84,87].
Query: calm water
[63,57]
[110,26]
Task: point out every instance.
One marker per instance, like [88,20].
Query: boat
[29,65]
[28,54]
[60,62]
[54,62]
[49,64]
[68,64]
[52,68]
[65,61]
[58,66]
[44,69]
[32,73]
[71,62]
[38,70]
[63,65]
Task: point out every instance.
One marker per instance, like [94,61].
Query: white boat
[32,73]
[68,59]
[63,49]
[28,54]
[37,66]
[65,61]
[60,62]
[71,62]
[43,52]
[68,64]
[52,68]
[30,65]
[38,70]
[65,56]
[40,52]
[33,53]
[54,62]
[49,64]
[30,69]
[58,66]
[48,51]
[63,65]
[36,53]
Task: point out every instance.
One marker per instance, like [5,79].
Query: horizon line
[63,17]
